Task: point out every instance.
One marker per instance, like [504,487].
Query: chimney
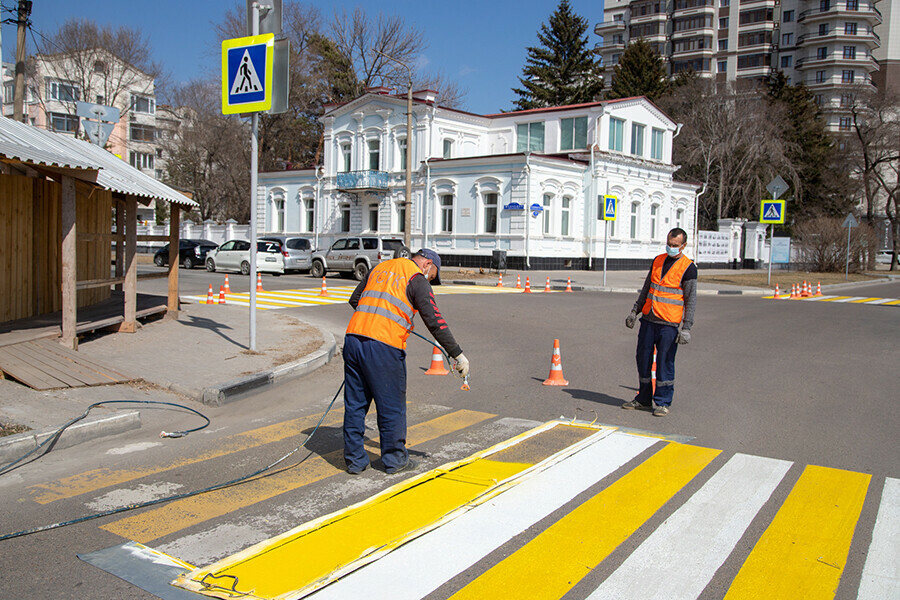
[428,96]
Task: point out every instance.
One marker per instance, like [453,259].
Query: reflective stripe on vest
[665,297]
[384,312]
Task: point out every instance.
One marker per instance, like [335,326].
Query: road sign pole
[254,165]
[847,268]
[771,235]
[605,246]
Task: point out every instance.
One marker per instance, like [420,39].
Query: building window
[696,43]
[723,45]
[345,156]
[754,38]
[787,39]
[788,16]
[654,214]
[573,134]
[64,92]
[846,100]
[401,216]
[723,3]
[679,218]
[850,52]
[822,53]
[616,134]
[372,212]
[758,15]
[852,4]
[141,160]
[656,144]
[637,139]
[787,61]
[309,206]
[374,147]
[723,23]
[345,218]
[722,66]
[824,5]
[448,149]
[143,133]
[635,209]
[823,29]
[849,28]
[844,124]
[278,216]
[548,205]
[817,100]
[530,137]
[143,104]
[9,92]
[564,216]
[64,122]
[490,213]
[820,76]
[847,76]
[693,22]
[446,201]
[751,61]
[401,143]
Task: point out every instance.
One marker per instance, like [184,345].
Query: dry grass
[784,279]
[11,429]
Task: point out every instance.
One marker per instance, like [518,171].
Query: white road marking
[881,574]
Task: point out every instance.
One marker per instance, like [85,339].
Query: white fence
[213,232]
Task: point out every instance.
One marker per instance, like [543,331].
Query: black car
[190,253]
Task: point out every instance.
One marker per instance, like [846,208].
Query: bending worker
[666,301]
[385,304]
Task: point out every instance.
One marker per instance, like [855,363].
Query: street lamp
[407,217]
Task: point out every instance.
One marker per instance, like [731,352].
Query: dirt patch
[11,428]
[784,279]
[301,340]
[468,274]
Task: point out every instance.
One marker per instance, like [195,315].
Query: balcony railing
[838,34]
[363,180]
[863,11]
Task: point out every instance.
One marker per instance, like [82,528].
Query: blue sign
[536,209]
[513,206]
[247,74]
[781,250]
[610,204]
[771,211]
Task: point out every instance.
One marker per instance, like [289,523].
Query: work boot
[409,466]
[660,411]
[635,405]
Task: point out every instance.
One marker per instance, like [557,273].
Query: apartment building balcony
[660,17]
[362,181]
[868,39]
[608,27]
[835,80]
[866,12]
[609,45]
[837,60]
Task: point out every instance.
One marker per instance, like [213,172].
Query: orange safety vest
[666,298]
[384,312]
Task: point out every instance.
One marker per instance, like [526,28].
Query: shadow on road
[214,326]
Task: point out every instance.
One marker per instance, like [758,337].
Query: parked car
[234,255]
[190,253]
[299,250]
[356,256]
[884,257]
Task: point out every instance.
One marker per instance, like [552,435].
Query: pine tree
[563,70]
[640,72]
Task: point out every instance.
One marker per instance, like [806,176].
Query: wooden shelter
[64,205]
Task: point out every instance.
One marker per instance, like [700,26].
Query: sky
[480,44]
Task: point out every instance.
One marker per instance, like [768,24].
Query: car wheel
[159,261]
[245,268]
[188,262]
[317,269]
[210,265]
[360,271]
[403,252]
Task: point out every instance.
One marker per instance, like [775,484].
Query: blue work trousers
[374,371]
[662,338]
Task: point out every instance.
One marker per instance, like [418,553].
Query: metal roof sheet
[40,147]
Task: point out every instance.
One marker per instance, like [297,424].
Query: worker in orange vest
[666,301]
[385,304]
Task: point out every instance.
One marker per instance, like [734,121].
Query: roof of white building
[38,147]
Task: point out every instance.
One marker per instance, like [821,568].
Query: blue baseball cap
[434,258]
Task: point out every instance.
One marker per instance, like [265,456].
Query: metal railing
[363,180]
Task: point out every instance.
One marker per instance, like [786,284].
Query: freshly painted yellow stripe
[557,559]
[891,303]
[178,515]
[804,550]
[862,300]
[96,479]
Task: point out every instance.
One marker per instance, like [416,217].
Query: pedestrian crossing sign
[610,206]
[771,211]
[247,74]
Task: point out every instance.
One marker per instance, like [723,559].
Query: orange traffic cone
[518,282]
[775,297]
[500,281]
[805,293]
[547,286]
[259,287]
[527,286]
[324,291]
[227,287]
[221,294]
[209,296]
[556,374]
[437,364]
[793,291]
[569,284]
[818,288]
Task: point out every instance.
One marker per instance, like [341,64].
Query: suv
[190,253]
[356,256]
[298,250]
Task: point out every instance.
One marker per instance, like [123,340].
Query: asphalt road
[812,383]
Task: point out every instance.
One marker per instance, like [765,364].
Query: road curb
[16,446]
[230,391]
[621,290]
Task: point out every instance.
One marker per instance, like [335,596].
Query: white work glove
[630,319]
[684,337]
[462,365]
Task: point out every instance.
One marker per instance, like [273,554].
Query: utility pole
[23,12]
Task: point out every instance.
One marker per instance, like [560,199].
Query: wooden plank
[152,238]
[130,324]
[69,262]
[45,362]
[17,368]
[94,283]
[56,348]
[174,227]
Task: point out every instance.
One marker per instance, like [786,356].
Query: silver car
[234,255]
[299,250]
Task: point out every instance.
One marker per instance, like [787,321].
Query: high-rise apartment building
[832,46]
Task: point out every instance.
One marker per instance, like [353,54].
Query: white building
[831,46]
[530,183]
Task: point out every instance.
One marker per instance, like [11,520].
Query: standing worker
[385,304]
[666,301]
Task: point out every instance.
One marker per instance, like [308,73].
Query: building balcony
[868,39]
[837,60]
[865,12]
[608,27]
[607,45]
[639,19]
[362,181]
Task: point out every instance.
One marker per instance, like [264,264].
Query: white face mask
[673,251]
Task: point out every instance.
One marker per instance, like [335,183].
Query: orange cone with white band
[556,374]
[324,291]
[818,288]
[527,286]
[500,281]
[437,364]
[221,294]
[209,296]
[518,282]
[805,293]
[226,286]
[259,287]
[776,297]
[547,286]
[569,284]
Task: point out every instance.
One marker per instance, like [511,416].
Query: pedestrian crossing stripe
[842,299]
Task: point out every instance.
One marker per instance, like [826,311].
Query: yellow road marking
[892,303]
[862,300]
[804,550]
[96,479]
[557,559]
[178,515]
[834,298]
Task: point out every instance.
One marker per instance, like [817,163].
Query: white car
[234,255]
